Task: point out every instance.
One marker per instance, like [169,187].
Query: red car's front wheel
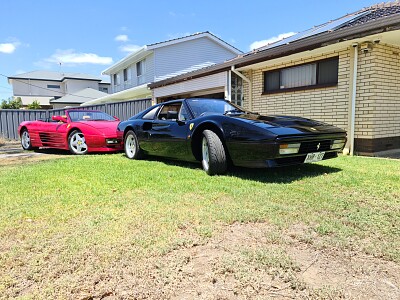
[77,143]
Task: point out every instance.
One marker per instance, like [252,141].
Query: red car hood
[107,127]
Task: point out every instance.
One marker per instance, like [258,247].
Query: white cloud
[129,48]
[8,48]
[122,38]
[258,44]
[70,57]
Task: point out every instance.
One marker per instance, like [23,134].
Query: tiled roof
[376,12]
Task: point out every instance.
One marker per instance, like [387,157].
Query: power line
[47,89]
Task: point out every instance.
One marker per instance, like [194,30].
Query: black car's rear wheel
[213,154]
[26,140]
[77,143]
[131,146]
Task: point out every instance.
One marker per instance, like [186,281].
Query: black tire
[131,146]
[213,154]
[26,140]
[77,143]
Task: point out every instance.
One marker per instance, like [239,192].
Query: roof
[79,97]
[374,19]
[194,36]
[135,93]
[54,76]
[147,49]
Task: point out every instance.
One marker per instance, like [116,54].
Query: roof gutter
[310,43]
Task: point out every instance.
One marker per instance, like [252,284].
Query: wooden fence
[11,118]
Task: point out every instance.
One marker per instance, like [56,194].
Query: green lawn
[55,216]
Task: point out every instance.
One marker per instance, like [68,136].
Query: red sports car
[79,131]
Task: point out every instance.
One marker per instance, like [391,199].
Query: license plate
[313,157]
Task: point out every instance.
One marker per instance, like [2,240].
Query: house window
[236,89]
[317,74]
[53,86]
[140,72]
[125,75]
[103,89]
[116,79]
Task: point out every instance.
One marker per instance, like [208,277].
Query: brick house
[345,72]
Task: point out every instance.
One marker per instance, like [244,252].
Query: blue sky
[88,36]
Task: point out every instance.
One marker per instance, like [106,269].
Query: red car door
[53,134]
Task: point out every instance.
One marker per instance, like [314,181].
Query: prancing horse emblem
[318,145]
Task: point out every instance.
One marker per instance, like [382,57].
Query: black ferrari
[218,133]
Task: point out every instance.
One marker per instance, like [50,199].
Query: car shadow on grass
[286,174]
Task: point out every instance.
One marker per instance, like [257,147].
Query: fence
[11,118]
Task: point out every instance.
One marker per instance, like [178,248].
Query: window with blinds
[313,75]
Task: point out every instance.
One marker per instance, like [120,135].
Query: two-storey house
[44,86]
[151,63]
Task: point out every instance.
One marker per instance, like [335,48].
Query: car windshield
[80,115]
[201,107]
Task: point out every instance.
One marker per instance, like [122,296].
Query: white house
[44,86]
[151,63]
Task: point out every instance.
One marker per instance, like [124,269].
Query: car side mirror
[116,119]
[59,119]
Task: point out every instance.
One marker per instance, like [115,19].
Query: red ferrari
[79,131]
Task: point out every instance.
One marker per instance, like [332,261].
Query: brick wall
[325,104]
[378,93]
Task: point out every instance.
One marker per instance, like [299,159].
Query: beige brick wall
[378,93]
[325,104]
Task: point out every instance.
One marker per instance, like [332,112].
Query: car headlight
[338,144]
[289,148]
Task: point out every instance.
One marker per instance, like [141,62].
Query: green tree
[11,103]
[34,105]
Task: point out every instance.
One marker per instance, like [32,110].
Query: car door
[168,133]
[52,134]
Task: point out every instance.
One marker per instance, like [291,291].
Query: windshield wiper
[236,111]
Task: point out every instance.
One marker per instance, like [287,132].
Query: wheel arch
[197,137]
[71,130]
[127,128]
[23,127]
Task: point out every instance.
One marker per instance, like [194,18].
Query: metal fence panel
[11,118]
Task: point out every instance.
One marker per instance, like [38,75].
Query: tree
[34,105]
[11,103]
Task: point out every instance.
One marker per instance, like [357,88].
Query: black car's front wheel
[213,154]
[131,146]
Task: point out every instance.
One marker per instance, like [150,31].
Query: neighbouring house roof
[79,97]
[137,92]
[54,76]
[378,18]
[147,50]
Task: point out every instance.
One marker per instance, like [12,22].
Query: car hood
[104,126]
[283,125]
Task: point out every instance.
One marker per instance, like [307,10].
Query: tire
[131,146]
[77,143]
[213,154]
[26,140]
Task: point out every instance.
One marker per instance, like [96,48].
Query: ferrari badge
[191,126]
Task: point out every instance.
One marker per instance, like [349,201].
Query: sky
[89,36]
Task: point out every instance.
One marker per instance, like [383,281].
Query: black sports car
[217,132]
